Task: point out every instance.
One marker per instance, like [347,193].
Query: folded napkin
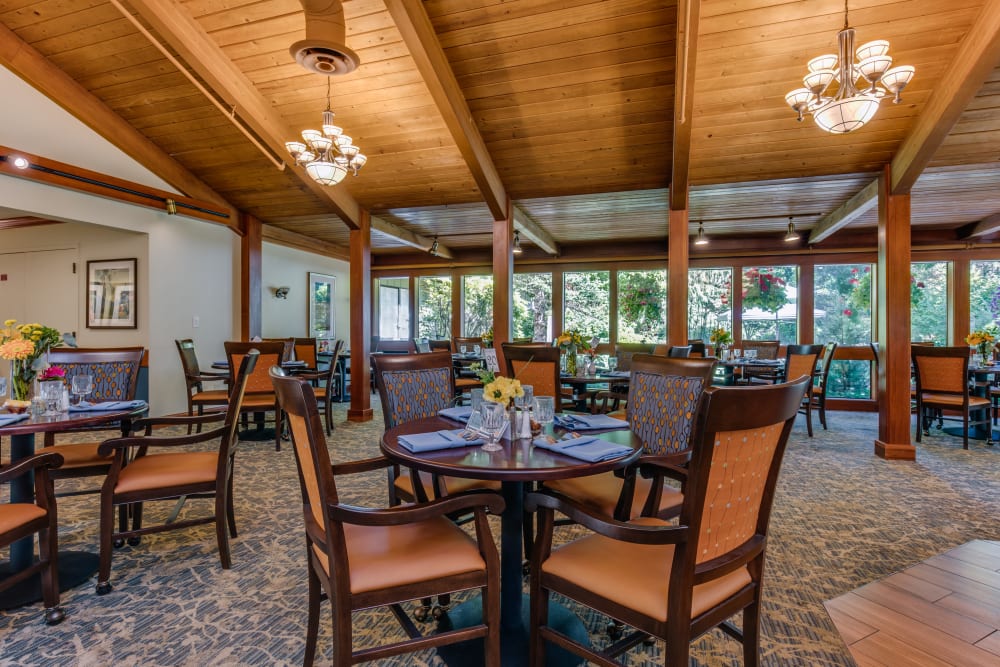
[588,448]
[107,406]
[460,413]
[427,442]
[7,420]
[584,422]
[617,374]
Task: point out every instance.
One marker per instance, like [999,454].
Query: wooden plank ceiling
[573,99]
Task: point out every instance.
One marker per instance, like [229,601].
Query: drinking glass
[477,398]
[750,354]
[463,349]
[735,353]
[82,385]
[52,395]
[494,419]
[3,387]
[476,349]
[545,409]
[612,363]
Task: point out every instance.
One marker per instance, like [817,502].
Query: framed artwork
[111,294]
[322,291]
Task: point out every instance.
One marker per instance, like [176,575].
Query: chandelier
[328,154]
[848,108]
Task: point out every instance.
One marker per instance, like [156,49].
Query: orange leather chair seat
[390,556]
[601,492]
[608,568]
[211,396]
[15,515]
[259,401]
[951,399]
[168,470]
[78,455]
[404,484]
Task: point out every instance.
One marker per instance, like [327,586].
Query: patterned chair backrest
[115,371]
[413,386]
[663,400]
[739,441]
[766,349]
[272,353]
[941,369]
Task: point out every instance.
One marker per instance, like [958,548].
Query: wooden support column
[251,245]
[807,305]
[361,320]
[893,300]
[677,278]
[456,306]
[503,281]
[960,310]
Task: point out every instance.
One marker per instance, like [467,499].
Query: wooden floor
[943,611]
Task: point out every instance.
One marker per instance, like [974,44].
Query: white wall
[287,267]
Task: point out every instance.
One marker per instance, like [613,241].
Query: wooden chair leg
[491,616]
[312,625]
[751,634]
[539,618]
[230,512]
[49,554]
[104,567]
[221,527]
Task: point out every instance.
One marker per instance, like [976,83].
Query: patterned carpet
[842,518]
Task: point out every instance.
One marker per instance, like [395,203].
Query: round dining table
[75,567]
[518,463]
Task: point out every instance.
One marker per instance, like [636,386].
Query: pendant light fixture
[792,235]
[700,238]
[327,155]
[517,244]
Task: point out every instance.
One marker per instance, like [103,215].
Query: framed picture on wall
[322,292]
[112,298]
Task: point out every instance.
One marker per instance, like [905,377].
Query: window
[770,309]
[642,307]
[533,306]
[984,295]
[434,307]
[710,294]
[929,302]
[587,303]
[393,308]
[844,315]
[477,305]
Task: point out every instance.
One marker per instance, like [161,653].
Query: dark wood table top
[519,461]
[69,421]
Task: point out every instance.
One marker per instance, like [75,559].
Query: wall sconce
[517,244]
[281,292]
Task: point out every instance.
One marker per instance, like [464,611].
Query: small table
[729,367]
[75,567]
[517,463]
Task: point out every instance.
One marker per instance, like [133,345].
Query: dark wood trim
[686,56]
[806,325]
[893,322]
[959,306]
[361,320]
[677,276]
[251,246]
[503,282]
[305,243]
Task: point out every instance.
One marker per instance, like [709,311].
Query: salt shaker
[64,401]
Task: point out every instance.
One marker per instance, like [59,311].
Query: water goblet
[750,354]
[3,387]
[545,409]
[476,395]
[735,353]
[476,349]
[612,363]
[82,385]
[463,349]
[52,395]
[494,420]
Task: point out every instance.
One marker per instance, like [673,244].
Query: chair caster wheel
[118,542]
[54,616]
[134,541]
[422,613]
[615,630]
[438,611]
[103,587]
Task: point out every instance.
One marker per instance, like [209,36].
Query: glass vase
[571,361]
[20,380]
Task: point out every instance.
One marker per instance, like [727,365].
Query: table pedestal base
[514,643]
[75,567]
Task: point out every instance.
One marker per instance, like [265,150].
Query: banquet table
[75,567]
[519,462]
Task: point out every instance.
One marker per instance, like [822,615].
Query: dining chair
[21,520]
[260,398]
[538,366]
[663,400]
[679,351]
[942,383]
[181,472]
[421,345]
[694,575]
[766,350]
[194,378]
[324,384]
[802,361]
[820,386]
[440,345]
[625,351]
[304,350]
[364,558]
[115,373]
[698,348]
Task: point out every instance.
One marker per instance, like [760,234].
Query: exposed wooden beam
[846,213]
[409,238]
[290,239]
[977,55]
[984,227]
[174,24]
[26,221]
[20,58]
[688,12]
[418,33]
[532,231]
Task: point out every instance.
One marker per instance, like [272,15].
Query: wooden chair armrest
[364,465]
[472,500]
[547,499]
[107,447]
[662,466]
[206,376]
[179,420]
[33,462]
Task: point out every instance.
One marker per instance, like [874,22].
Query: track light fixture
[19,161]
[701,239]
[433,250]
[792,235]
[517,244]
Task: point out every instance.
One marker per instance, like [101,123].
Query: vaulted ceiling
[566,107]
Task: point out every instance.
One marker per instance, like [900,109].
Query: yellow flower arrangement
[979,338]
[24,347]
[571,339]
[720,336]
[502,390]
